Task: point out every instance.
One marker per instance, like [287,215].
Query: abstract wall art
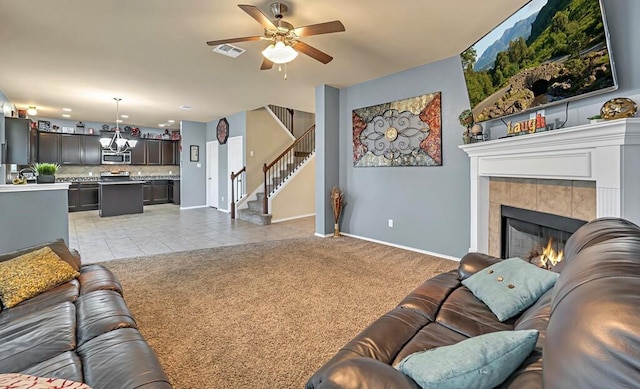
[402,133]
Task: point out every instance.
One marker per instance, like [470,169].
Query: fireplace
[526,233]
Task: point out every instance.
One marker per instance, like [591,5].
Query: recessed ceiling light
[66,109]
[161,125]
[171,121]
[124,116]
[119,121]
[185,107]
[64,115]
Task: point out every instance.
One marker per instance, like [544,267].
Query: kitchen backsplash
[84,171]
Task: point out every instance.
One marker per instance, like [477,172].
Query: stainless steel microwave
[113,158]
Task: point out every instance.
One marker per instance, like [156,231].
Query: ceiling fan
[284,38]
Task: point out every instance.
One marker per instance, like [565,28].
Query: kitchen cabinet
[139,153]
[160,189]
[154,151]
[169,152]
[68,149]
[83,196]
[147,194]
[174,191]
[20,142]
[48,147]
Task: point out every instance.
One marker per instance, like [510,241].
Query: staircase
[276,174]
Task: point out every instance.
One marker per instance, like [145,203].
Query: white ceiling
[152,53]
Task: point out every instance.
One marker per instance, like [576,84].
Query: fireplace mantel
[606,152]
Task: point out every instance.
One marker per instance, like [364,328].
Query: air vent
[229,50]
[185,107]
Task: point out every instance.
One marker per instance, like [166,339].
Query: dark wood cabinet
[147,193]
[174,191]
[169,152]
[154,152]
[48,147]
[83,196]
[70,150]
[160,190]
[139,153]
[92,150]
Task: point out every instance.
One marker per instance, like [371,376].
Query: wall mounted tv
[548,52]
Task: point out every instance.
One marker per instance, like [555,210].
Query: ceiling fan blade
[312,52]
[255,13]
[320,28]
[266,64]
[234,40]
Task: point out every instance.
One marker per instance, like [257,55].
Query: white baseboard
[319,235]
[402,247]
[224,210]
[292,218]
[195,207]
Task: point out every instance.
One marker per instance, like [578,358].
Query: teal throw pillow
[484,361]
[510,286]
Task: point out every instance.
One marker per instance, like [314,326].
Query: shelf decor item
[466,121]
[618,108]
[194,153]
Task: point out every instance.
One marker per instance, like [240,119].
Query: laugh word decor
[402,133]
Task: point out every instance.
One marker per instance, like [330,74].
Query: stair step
[255,205]
[254,217]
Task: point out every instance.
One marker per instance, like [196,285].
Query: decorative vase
[466,139]
[336,230]
[45,179]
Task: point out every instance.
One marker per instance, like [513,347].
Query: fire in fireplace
[534,236]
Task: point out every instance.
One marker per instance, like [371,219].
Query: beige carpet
[264,315]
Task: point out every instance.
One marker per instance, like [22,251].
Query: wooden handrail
[282,154]
[307,140]
[233,197]
[285,115]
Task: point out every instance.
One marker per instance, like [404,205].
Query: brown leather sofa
[589,322]
[81,330]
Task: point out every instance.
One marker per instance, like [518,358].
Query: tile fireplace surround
[607,153]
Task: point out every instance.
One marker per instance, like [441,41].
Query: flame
[549,257]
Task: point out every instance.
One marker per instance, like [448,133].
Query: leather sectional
[588,323]
[81,331]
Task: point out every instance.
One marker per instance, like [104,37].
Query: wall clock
[222,131]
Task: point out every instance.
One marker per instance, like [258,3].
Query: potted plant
[466,121]
[45,172]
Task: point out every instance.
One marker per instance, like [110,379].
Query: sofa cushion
[19,381]
[480,362]
[510,286]
[32,273]
[66,366]
[99,312]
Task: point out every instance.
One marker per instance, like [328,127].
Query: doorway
[212,174]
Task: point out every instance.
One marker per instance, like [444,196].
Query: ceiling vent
[229,50]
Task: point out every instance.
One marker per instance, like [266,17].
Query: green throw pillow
[483,361]
[510,286]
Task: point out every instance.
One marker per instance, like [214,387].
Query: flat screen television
[548,52]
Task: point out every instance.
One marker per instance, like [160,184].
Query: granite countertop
[130,182]
[133,178]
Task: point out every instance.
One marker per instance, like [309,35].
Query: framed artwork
[194,153]
[401,133]
[44,125]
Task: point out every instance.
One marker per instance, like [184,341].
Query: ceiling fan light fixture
[279,53]
[32,111]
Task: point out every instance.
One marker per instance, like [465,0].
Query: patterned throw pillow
[30,274]
[19,381]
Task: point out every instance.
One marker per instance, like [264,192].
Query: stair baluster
[237,188]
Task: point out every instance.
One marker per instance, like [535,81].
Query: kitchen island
[120,197]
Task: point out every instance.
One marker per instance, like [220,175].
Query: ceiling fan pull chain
[285,71]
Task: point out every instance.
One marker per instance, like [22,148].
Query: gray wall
[327,155]
[622,20]
[237,127]
[193,174]
[3,100]
[429,205]
[32,217]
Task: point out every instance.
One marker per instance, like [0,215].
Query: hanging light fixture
[117,143]
[32,111]
[279,52]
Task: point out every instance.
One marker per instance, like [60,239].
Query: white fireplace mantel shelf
[607,153]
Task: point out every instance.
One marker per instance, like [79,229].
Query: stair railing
[276,172]
[237,188]
[284,114]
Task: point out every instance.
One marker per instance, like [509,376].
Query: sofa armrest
[472,263]
[76,254]
[362,373]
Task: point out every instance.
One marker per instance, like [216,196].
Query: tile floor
[164,228]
